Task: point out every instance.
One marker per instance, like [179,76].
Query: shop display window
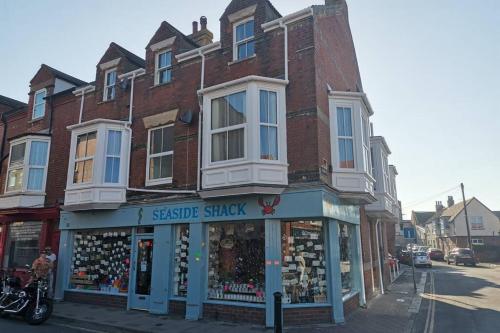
[345,242]
[181,255]
[23,244]
[303,268]
[236,262]
[101,261]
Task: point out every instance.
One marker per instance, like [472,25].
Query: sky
[431,70]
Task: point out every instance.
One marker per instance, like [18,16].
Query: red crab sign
[267,206]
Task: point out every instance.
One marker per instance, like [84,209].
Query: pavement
[385,313]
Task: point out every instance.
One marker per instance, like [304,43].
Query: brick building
[209,175]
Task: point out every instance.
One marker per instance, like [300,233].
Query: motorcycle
[31,302]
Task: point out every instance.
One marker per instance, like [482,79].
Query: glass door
[142,270]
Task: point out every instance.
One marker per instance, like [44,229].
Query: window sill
[237,61]
[16,193]
[165,181]
[235,303]
[215,165]
[95,292]
[159,85]
[349,296]
[107,101]
[36,120]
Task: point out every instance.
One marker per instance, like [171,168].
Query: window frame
[106,155]
[25,166]
[477,241]
[108,86]
[166,68]
[268,124]
[33,117]
[228,129]
[158,181]
[85,158]
[237,43]
[343,137]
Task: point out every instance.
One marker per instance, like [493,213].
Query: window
[28,166]
[346,144]
[228,127]
[346,247]
[101,261]
[385,173]
[268,125]
[374,172]
[236,262]
[23,243]
[84,157]
[39,104]
[244,43]
[366,146]
[160,155]
[109,85]
[476,223]
[181,260]
[163,72]
[303,269]
[477,241]
[113,151]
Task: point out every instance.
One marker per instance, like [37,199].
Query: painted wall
[475,208]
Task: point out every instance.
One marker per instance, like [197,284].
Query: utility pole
[466,218]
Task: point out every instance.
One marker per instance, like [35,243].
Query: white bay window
[98,172]
[244,134]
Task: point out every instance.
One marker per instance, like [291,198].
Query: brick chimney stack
[203,36]
[439,207]
[451,202]
[333,2]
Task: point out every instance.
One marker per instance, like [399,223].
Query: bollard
[278,325]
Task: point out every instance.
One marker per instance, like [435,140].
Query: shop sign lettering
[211,211]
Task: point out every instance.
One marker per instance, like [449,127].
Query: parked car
[422,259]
[422,249]
[435,254]
[461,256]
[405,257]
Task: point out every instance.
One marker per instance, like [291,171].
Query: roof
[13,103]
[135,59]
[422,217]
[64,76]
[454,210]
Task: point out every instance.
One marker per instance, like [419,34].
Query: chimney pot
[451,201]
[203,22]
[195,27]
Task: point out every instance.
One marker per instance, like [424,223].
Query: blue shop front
[220,259]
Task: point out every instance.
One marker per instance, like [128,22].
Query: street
[17,325]
[460,299]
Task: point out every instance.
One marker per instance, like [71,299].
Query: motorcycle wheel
[37,317]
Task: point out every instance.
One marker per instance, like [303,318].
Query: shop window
[303,262]
[236,262]
[101,261]
[345,242]
[181,260]
[28,165]
[23,245]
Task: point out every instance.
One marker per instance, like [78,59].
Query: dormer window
[39,104]
[163,71]
[109,84]
[28,165]
[244,39]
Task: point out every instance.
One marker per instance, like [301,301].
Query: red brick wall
[234,313]
[351,305]
[177,308]
[306,316]
[96,299]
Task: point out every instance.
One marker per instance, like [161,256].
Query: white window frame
[108,86]
[475,220]
[339,137]
[106,155]
[33,117]
[477,241]
[243,41]
[25,166]
[166,68]
[270,124]
[365,127]
[229,128]
[158,181]
[85,158]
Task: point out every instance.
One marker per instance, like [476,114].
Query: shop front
[219,259]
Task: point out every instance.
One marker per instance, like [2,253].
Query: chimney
[451,202]
[333,2]
[439,206]
[203,36]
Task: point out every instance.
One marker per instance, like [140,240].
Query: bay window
[109,84]
[39,104]
[160,155]
[113,155]
[163,72]
[346,145]
[84,157]
[244,134]
[28,165]
[244,39]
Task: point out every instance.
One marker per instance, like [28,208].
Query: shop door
[142,270]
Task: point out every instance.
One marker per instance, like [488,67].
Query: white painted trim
[157,69]
[290,18]
[163,44]
[84,90]
[107,85]
[197,52]
[243,41]
[110,64]
[241,14]
[35,105]
[242,80]
[159,181]
[353,95]
[97,121]
[136,72]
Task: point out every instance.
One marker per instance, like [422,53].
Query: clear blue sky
[430,68]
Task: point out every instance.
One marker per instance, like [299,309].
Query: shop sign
[193,212]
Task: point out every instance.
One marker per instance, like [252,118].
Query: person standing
[51,257]
[41,266]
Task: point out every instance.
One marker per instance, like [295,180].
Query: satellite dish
[186,117]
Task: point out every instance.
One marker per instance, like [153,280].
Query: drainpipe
[200,119]
[81,92]
[285,28]
[379,258]
[371,262]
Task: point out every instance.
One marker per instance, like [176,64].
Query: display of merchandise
[236,263]
[345,258]
[181,261]
[303,263]
[101,261]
